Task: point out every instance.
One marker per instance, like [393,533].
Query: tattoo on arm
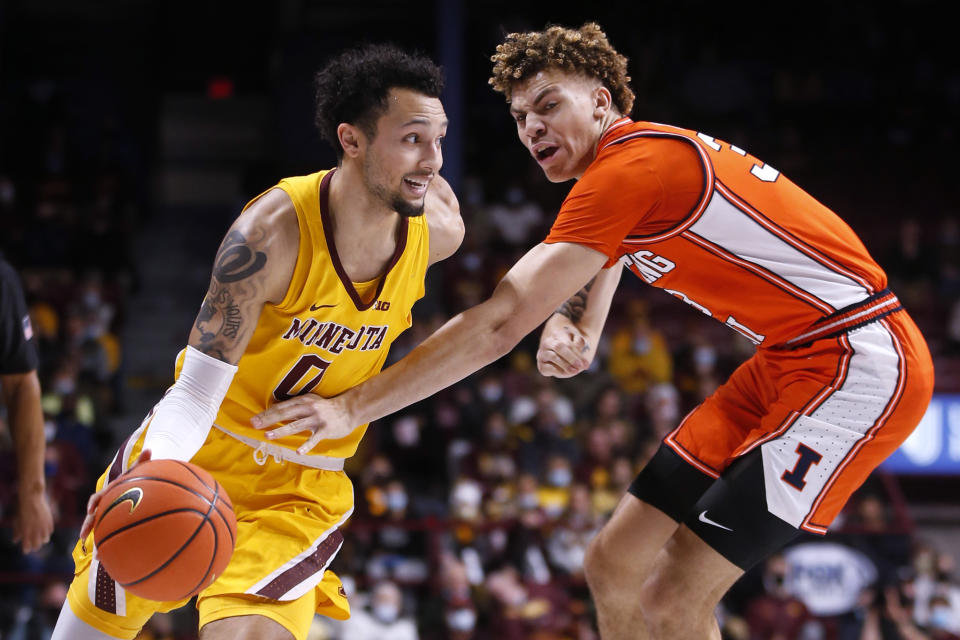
[236,260]
[577,304]
[220,321]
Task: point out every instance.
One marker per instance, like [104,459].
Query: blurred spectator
[911,264]
[777,614]
[948,256]
[953,329]
[381,618]
[460,615]
[936,592]
[38,622]
[609,488]
[870,529]
[662,402]
[373,480]
[525,610]
[159,627]
[567,543]
[515,218]
[594,465]
[398,550]
[608,406]
[884,615]
[553,495]
[548,431]
[492,460]
[639,356]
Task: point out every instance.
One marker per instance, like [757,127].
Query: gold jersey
[328,334]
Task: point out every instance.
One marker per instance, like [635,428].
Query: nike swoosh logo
[705,519]
[314,307]
[133,496]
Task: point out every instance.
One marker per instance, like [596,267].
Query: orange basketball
[165,530]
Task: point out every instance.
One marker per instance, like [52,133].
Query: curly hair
[353,87]
[585,51]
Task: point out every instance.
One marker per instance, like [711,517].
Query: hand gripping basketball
[164,530]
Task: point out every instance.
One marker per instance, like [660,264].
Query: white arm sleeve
[183,417]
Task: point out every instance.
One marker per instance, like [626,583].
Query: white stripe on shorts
[297,590]
[849,416]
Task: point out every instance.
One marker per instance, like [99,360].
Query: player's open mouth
[544,152]
[417,185]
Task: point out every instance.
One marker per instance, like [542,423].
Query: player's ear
[602,101]
[349,137]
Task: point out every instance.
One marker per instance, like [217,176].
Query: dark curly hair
[585,50]
[353,86]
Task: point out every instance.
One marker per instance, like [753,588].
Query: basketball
[165,530]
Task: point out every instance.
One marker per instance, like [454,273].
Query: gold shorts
[288,519]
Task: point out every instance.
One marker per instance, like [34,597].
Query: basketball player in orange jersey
[311,285]
[841,375]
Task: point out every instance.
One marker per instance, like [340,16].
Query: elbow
[504,337]
[20,388]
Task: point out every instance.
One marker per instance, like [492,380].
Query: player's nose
[432,158]
[534,127]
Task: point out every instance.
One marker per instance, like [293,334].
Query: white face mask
[528,500]
[560,477]
[461,619]
[386,612]
[397,500]
[941,618]
[491,392]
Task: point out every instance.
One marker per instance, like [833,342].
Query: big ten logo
[647,265]
[739,327]
[381,305]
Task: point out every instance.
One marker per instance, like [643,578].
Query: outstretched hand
[94,500]
[322,418]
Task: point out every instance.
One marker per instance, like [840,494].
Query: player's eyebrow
[540,96]
[423,121]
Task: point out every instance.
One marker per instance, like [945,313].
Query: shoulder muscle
[442,211]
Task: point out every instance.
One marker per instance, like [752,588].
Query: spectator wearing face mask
[567,543]
[459,611]
[514,218]
[554,493]
[639,356]
[382,618]
[937,604]
[398,550]
[942,623]
[523,608]
[777,614]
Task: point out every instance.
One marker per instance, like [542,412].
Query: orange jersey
[724,232]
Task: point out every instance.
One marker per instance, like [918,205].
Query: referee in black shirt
[20,393]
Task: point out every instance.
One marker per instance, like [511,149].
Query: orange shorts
[824,416]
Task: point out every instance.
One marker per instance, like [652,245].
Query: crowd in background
[523,470]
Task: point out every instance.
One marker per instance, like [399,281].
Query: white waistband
[262,450]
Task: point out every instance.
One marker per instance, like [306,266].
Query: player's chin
[556,175]
[409,208]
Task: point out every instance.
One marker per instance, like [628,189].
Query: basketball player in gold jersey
[311,285]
